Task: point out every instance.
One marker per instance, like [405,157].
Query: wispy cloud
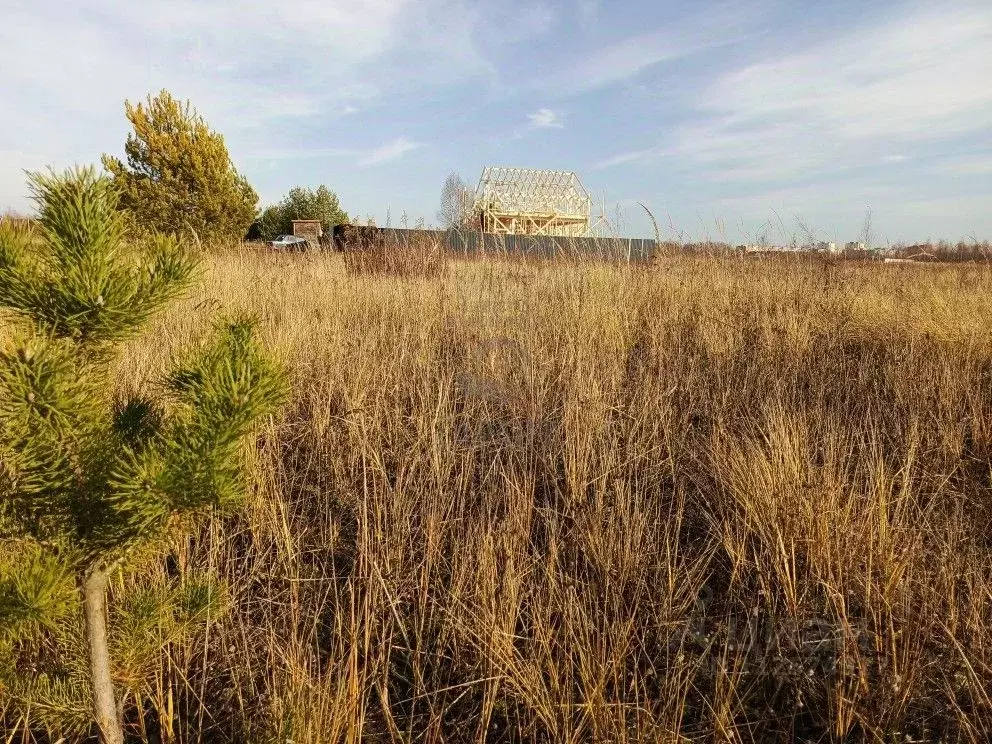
[849,101]
[614,64]
[392,150]
[717,25]
[262,74]
[545,118]
[647,154]
[842,123]
[301,153]
[588,11]
[975,165]
[384,153]
[512,23]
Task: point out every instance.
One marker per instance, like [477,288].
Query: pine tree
[179,178]
[88,479]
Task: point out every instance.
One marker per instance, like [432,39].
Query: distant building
[855,245]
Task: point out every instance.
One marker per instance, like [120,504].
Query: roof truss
[533,202]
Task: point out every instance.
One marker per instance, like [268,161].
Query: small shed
[309,229]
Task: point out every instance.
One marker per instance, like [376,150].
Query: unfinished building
[525,201]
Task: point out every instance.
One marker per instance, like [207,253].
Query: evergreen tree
[179,178]
[273,222]
[302,204]
[88,479]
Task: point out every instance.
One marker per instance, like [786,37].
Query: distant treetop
[301,203]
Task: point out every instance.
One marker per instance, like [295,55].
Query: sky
[728,120]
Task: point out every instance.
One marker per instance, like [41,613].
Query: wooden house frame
[524,201]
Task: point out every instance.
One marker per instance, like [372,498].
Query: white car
[290,242]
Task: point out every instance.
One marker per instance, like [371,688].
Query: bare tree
[808,233]
[457,201]
[866,232]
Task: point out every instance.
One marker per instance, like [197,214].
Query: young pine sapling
[85,477]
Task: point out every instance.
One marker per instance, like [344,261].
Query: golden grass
[422,256]
[713,500]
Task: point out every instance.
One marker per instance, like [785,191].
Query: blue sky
[727,119]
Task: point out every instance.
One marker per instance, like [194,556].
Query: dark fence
[470,244]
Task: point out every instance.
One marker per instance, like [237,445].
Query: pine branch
[220,395]
[49,405]
[16,273]
[36,592]
[80,283]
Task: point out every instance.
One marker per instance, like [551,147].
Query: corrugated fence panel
[474,243]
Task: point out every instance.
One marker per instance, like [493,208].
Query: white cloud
[234,50]
[644,155]
[846,102]
[384,153]
[718,25]
[545,118]
[259,72]
[392,150]
[615,63]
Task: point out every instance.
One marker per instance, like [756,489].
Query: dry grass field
[708,500]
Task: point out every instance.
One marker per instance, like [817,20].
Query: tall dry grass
[710,500]
[423,256]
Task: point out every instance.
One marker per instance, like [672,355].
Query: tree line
[177,178]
